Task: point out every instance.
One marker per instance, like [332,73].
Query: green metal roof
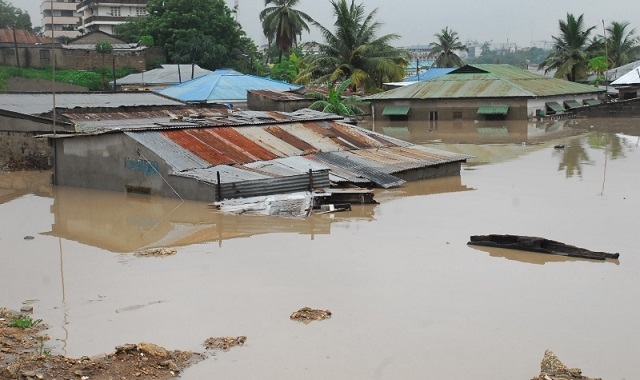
[555,106]
[487,81]
[591,102]
[501,109]
[572,104]
[396,110]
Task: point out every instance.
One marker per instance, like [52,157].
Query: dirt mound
[23,356]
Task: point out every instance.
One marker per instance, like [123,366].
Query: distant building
[61,16]
[105,16]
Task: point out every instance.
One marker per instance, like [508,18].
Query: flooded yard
[408,298]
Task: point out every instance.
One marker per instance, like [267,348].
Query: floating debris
[307,314]
[29,237]
[297,205]
[157,252]
[537,244]
[551,368]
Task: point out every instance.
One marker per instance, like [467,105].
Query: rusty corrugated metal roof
[22,37]
[487,81]
[262,145]
[280,95]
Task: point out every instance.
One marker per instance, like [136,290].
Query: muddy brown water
[409,298]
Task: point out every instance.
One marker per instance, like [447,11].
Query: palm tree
[334,102]
[354,52]
[622,46]
[284,24]
[572,50]
[444,51]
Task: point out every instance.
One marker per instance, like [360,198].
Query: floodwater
[409,298]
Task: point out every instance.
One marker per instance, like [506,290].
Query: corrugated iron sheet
[305,132]
[178,158]
[22,37]
[373,174]
[287,166]
[278,185]
[39,103]
[279,95]
[291,139]
[270,142]
[228,174]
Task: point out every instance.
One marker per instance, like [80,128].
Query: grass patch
[91,79]
[24,322]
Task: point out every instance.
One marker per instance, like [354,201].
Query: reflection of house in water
[123,223]
[482,132]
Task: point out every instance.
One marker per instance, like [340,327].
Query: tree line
[207,33]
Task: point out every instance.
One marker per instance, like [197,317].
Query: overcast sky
[416,21]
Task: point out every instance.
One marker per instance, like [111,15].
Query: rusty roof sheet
[280,95]
[174,155]
[487,81]
[21,37]
[228,174]
[270,141]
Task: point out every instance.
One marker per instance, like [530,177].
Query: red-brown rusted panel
[197,147]
[328,133]
[291,139]
[216,142]
[359,140]
[255,151]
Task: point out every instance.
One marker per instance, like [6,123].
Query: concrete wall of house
[73,59]
[256,102]
[18,145]
[23,150]
[115,162]
[449,109]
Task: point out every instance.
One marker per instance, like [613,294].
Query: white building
[59,15]
[105,15]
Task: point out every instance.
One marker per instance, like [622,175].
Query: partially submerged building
[26,115]
[223,86]
[204,154]
[482,92]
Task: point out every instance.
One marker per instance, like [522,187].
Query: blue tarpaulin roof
[223,85]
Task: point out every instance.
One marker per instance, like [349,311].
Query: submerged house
[482,92]
[207,154]
[223,86]
[23,116]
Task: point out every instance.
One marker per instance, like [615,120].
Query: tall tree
[572,50]
[12,17]
[622,46]
[283,24]
[354,51]
[444,50]
[184,29]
